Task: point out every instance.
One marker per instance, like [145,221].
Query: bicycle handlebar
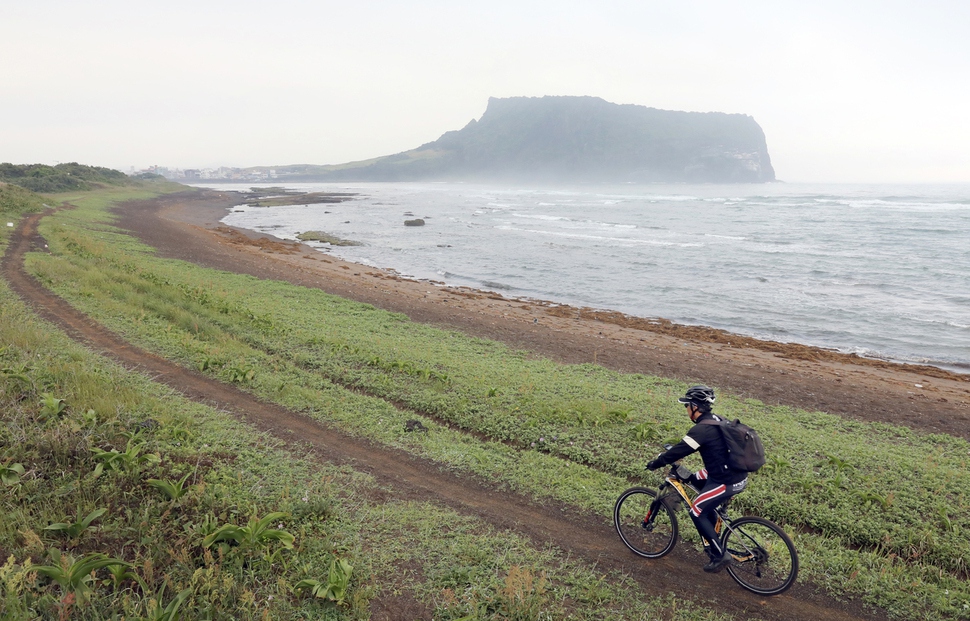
[680,472]
[676,469]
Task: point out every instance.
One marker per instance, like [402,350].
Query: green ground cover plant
[253,520]
[881,512]
[16,201]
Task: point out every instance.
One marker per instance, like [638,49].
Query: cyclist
[716,482]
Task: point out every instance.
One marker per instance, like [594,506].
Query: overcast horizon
[861,92]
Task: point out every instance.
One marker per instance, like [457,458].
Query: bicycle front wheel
[646,524]
[764,559]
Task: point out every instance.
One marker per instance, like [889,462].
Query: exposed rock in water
[327,238]
[278,197]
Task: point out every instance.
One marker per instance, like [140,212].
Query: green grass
[16,201]
[60,178]
[173,523]
[881,512]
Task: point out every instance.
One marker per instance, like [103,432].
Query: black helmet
[701,396]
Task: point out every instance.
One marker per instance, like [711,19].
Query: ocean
[878,270]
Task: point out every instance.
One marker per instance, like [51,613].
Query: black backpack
[745,451]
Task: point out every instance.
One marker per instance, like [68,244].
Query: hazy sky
[845,91]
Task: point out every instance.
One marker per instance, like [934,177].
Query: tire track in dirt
[410,478]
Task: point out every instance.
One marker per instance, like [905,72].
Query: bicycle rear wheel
[646,524]
[764,558]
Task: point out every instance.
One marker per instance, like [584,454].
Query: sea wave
[731,237]
[593,223]
[670,198]
[601,238]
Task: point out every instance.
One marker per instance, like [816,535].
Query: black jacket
[708,440]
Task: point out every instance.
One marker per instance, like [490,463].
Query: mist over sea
[878,270]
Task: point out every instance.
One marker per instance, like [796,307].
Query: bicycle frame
[675,479]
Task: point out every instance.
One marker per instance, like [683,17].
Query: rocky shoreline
[187,226]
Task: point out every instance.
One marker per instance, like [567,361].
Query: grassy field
[878,512]
[124,500]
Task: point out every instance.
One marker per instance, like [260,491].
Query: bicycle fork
[647,522]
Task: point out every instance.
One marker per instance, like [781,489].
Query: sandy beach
[186,226]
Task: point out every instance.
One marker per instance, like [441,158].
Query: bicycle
[763,557]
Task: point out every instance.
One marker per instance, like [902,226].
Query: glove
[654,464]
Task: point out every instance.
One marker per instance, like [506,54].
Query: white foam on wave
[925,207]
[731,237]
[671,197]
[777,249]
[943,322]
[526,216]
[896,205]
[622,240]
[726,201]
[592,223]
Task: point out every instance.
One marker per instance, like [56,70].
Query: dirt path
[406,477]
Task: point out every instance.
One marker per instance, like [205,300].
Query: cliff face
[559,139]
[587,138]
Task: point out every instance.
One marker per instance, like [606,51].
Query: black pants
[704,510]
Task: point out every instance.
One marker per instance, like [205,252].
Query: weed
[240,373]
[21,374]
[334,589]
[170,612]
[256,534]
[644,432]
[129,460]
[945,521]
[75,529]
[522,596]
[619,415]
[775,464]
[884,501]
[840,465]
[75,575]
[172,490]
[122,573]
[51,407]
[10,475]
